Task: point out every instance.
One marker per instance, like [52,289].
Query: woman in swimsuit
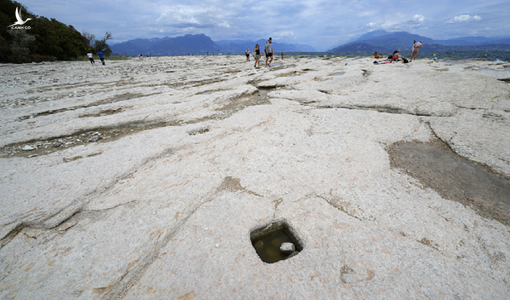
[416,49]
[256,55]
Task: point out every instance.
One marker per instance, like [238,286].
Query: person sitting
[394,56]
[377,55]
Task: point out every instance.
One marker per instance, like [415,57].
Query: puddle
[263,95]
[508,69]
[337,74]
[454,178]
[268,240]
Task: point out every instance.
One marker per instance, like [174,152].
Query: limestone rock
[95,138]
[121,218]
[287,248]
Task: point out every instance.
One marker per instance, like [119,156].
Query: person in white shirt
[91,58]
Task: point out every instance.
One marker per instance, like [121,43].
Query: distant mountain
[239,46]
[381,40]
[226,43]
[198,44]
[355,47]
[194,44]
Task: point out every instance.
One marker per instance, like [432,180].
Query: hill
[194,44]
[198,44]
[43,39]
[381,40]
[233,46]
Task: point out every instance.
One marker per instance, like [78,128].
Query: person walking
[247,53]
[91,58]
[269,52]
[256,56]
[416,49]
[101,57]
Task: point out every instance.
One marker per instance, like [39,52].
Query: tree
[101,45]
[89,36]
[19,45]
[53,39]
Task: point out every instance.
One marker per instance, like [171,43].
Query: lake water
[501,56]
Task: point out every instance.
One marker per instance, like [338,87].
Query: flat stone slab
[146,178]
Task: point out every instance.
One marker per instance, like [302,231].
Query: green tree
[101,45]
[19,45]
[53,39]
[89,36]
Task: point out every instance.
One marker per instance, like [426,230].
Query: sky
[322,24]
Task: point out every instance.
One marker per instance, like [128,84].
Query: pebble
[95,138]
[28,148]
[287,248]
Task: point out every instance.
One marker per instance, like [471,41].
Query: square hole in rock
[275,241]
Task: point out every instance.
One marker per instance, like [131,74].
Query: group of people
[395,56]
[91,58]
[268,49]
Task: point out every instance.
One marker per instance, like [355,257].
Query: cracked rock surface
[145,178]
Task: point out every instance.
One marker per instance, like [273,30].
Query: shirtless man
[416,49]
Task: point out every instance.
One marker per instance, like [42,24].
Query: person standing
[416,49]
[101,57]
[91,58]
[256,56]
[269,52]
[247,53]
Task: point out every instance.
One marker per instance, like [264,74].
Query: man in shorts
[269,52]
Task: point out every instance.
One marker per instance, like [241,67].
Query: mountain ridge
[381,40]
[198,44]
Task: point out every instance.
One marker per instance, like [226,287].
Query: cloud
[414,22]
[283,33]
[193,16]
[464,18]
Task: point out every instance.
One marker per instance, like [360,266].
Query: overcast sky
[321,24]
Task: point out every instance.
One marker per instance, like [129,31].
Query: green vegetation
[101,45]
[45,40]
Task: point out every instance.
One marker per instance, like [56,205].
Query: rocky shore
[145,179]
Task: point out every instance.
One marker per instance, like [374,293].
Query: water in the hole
[268,246]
